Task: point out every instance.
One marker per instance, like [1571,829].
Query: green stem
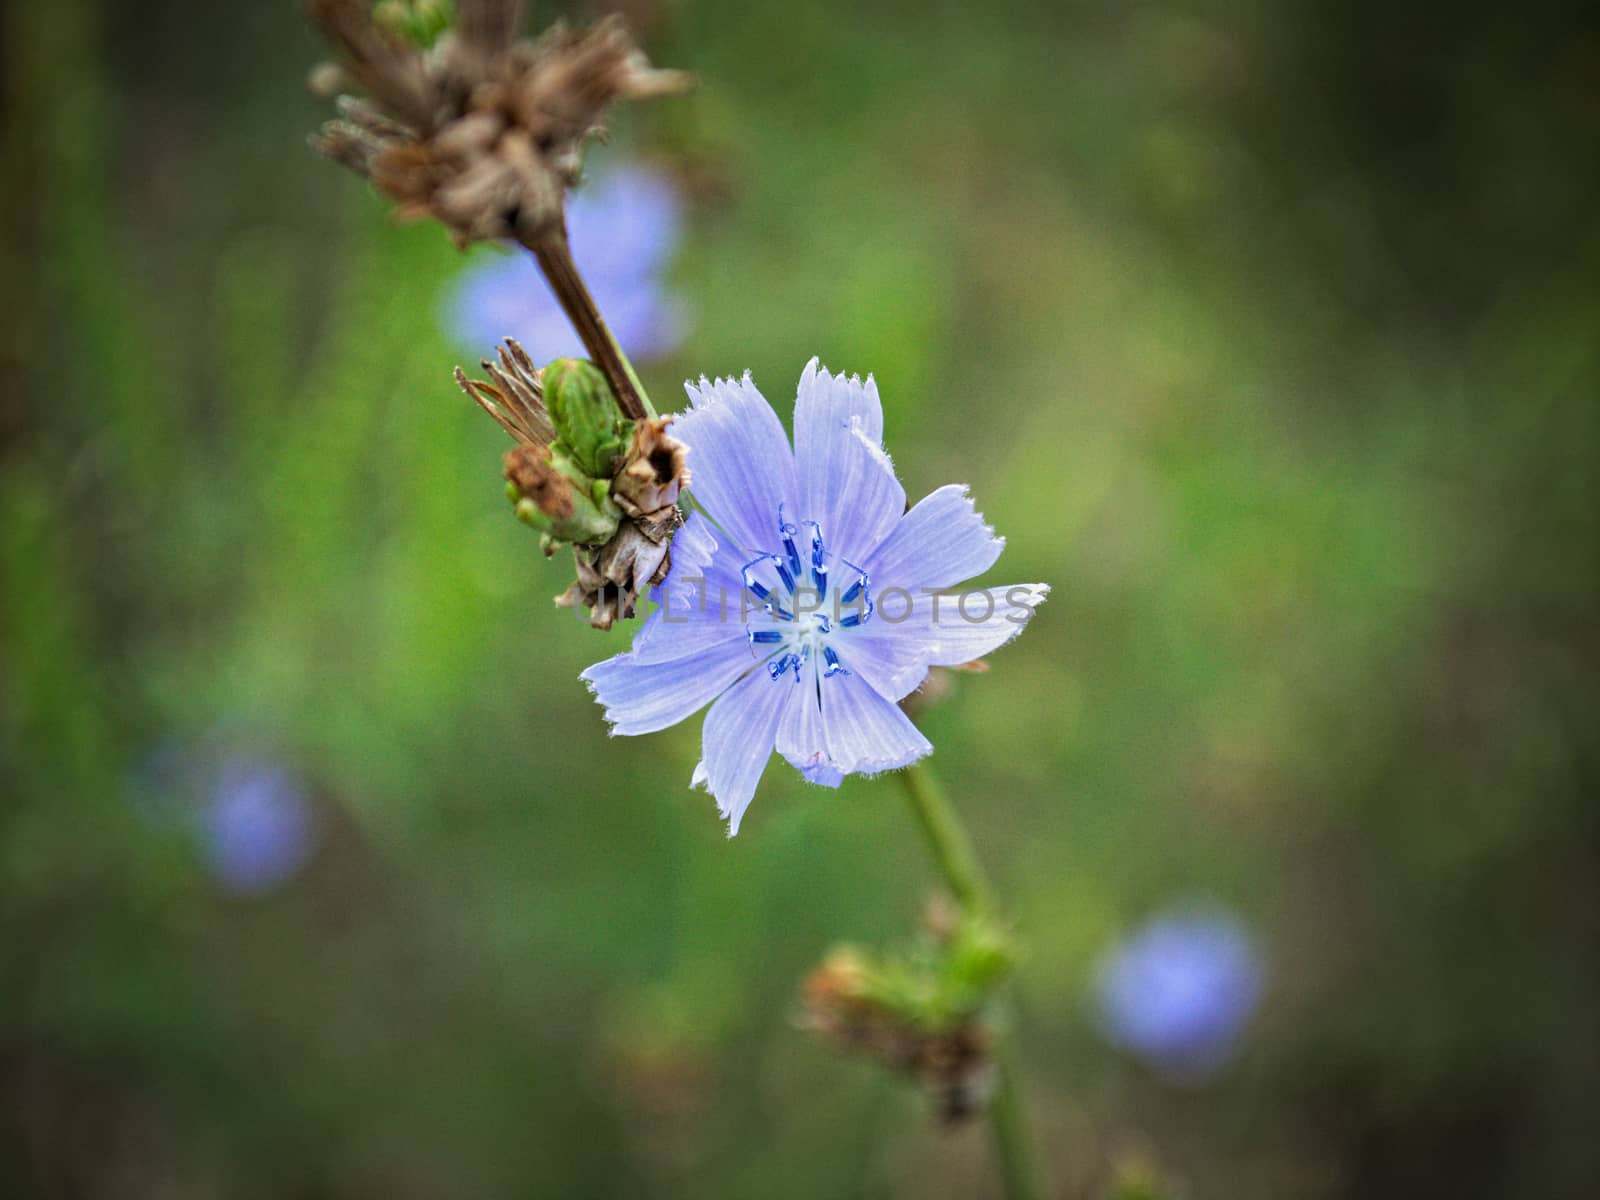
[1008,1120]
[952,849]
[555,260]
[947,837]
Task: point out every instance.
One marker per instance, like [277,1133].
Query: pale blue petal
[941,542]
[800,737]
[737,741]
[741,469]
[845,481]
[973,622]
[644,697]
[700,597]
[911,632]
[668,635]
[824,408]
[865,499]
[894,662]
[864,732]
[699,551]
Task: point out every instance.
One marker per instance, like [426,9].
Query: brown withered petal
[529,470]
[605,601]
[652,473]
[636,557]
[610,577]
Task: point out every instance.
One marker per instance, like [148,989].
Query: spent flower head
[480,129]
[918,1009]
[805,602]
[584,475]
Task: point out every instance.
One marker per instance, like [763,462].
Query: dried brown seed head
[481,130]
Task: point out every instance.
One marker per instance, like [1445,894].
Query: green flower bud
[417,21]
[592,432]
[552,495]
[976,960]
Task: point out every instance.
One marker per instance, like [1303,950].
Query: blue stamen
[834,667]
[776,669]
[757,588]
[766,637]
[860,616]
[788,531]
[819,571]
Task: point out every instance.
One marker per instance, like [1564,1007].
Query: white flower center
[802,602]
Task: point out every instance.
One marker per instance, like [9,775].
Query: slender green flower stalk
[947,838]
[952,851]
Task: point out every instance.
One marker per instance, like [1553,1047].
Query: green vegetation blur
[1267,335]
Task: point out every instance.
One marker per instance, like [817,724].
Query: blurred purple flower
[623,227]
[1179,992]
[257,827]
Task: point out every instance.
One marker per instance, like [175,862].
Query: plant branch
[952,850]
[555,260]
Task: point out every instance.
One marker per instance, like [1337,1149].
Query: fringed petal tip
[729,813]
[815,371]
[707,392]
[973,516]
[942,541]
[818,770]
[605,713]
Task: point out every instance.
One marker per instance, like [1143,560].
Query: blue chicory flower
[1180,991]
[805,602]
[257,827]
[622,227]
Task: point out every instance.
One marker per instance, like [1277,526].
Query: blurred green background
[1265,332]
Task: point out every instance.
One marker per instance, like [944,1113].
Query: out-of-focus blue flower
[623,227]
[811,607]
[257,826]
[1180,991]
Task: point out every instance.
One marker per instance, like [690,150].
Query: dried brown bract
[610,577]
[528,469]
[482,130]
[514,395]
[652,473]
